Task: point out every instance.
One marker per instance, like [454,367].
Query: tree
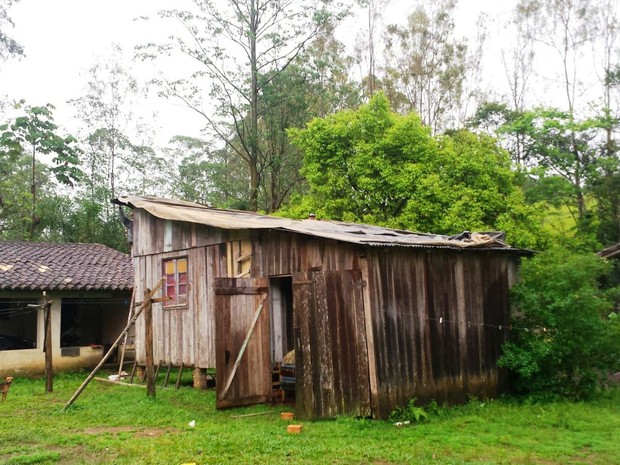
[366,41]
[564,330]
[375,166]
[241,47]
[35,133]
[113,159]
[426,66]
[206,175]
[8,45]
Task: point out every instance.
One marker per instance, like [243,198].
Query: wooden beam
[148,347]
[109,381]
[167,378]
[118,340]
[242,350]
[49,369]
[179,376]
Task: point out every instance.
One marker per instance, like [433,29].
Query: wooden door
[331,354]
[242,358]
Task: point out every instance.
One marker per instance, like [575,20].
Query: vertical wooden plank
[148,345]
[303,315]
[322,347]
[370,339]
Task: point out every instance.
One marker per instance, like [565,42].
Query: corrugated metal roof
[67,266]
[178,210]
[610,252]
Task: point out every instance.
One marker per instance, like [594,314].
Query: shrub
[564,336]
[410,413]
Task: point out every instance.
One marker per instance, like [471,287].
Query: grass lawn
[112,424]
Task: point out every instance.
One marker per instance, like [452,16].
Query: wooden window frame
[180,299]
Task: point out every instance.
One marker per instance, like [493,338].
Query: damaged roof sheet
[178,210]
[68,266]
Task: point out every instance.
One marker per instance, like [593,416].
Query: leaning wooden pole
[124,345]
[145,303]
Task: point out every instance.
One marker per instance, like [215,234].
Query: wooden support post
[167,378]
[148,346]
[179,376]
[118,340]
[49,369]
[157,369]
[133,371]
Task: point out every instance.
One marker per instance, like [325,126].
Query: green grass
[112,424]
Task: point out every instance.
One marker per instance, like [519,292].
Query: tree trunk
[253,110]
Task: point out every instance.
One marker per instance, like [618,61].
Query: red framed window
[175,271]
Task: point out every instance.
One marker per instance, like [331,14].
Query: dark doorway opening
[282,338]
[282,342]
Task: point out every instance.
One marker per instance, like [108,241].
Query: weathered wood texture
[277,253]
[239,303]
[436,324]
[375,326]
[184,334]
[331,355]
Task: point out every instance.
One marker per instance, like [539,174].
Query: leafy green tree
[565,332]
[206,175]
[375,166]
[34,133]
[80,220]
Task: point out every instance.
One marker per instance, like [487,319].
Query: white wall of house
[31,362]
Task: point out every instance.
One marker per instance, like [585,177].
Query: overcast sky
[63,38]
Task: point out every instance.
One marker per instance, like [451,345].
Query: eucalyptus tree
[426,64]
[367,41]
[118,154]
[241,47]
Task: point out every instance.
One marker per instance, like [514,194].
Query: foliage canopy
[376,166]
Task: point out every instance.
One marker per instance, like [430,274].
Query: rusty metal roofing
[179,210]
[51,266]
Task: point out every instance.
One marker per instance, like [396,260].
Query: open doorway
[95,322]
[282,342]
[282,339]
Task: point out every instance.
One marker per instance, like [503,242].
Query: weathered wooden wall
[436,318]
[183,334]
[425,325]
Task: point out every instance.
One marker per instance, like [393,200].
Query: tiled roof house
[89,286]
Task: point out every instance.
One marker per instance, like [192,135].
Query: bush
[565,334]
[410,413]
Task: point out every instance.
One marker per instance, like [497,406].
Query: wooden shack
[376,316]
